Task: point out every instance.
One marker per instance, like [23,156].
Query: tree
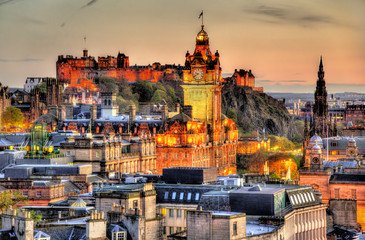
[36,217]
[12,117]
[42,87]
[10,199]
[107,84]
[144,89]
[231,114]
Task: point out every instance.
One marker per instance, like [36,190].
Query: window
[135,204]
[68,153]
[197,197]
[235,228]
[25,193]
[171,212]
[353,193]
[173,195]
[39,194]
[178,213]
[171,230]
[337,193]
[181,196]
[166,195]
[119,236]
[164,230]
[178,229]
[334,144]
[189,196]
[97,154]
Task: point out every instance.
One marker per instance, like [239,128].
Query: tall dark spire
[320,107]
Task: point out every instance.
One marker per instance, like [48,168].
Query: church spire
[320,71]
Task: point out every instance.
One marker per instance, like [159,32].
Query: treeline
[140,91]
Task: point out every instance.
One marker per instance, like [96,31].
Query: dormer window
[333,144]
[119,236]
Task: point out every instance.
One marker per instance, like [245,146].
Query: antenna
[85,42]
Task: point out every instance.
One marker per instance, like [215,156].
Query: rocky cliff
[256,111]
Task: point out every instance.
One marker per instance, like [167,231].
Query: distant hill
[256,111]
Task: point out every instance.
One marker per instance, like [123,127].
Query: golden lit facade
[198,137]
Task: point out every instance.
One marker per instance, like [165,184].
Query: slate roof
[345,164]
[348,177]
[342,143]
[181,117]
[182,193]
[70,233]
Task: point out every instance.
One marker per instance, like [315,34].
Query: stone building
[71,69]
[199,136]
[5,100]
[247,79]
[121,154]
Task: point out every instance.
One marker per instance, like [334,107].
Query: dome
[316,147]
[202,38]
[352,140]
[315,140]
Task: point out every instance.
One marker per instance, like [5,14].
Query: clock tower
[203,83]
[316,157]
[351,149]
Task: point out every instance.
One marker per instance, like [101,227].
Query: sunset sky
[280,40]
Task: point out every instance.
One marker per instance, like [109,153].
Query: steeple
[320,107]
[320,71]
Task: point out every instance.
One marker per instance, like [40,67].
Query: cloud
[89,4]
[5,2]
[264,81]
[287,14]
[294,81]
[22,60]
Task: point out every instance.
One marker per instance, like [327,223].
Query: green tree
[36,217]
[107,84]
[274,175]
[12,117]
[10,199]
[144,89]
[231,113]
[42,87]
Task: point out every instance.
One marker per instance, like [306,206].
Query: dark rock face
[256,111]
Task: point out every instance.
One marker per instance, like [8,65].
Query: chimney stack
[164,113]
[96,226]
[93,113]
[188,110]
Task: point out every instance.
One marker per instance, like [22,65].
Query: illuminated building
[5,100]
[246,79]
[71,69]
[198,136]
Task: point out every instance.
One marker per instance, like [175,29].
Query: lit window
[171,230]
[197,197]
[181,196]
[25,193]
[173,195]
[166,195]
[39,194]
[189,196]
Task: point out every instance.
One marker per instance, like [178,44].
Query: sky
[281,41]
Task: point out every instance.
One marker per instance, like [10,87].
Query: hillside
[256,111]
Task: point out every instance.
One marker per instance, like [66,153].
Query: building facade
[199,136]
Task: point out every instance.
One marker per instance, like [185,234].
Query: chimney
[188,110]
[177,105]
[132,114]
[69,108]
[61,113]
[85,53]
[96,226]
[164,113]
[93,113]
[8,219]
[24,226]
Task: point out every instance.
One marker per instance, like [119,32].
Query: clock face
[315,160]
[351,151]
[198,74]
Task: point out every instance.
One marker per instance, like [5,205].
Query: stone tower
[320,107]
[203,83]
[54,92]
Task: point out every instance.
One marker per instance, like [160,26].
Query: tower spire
[201,15]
